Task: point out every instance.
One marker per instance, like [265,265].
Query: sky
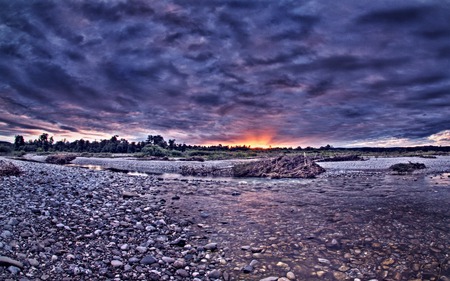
[280,73]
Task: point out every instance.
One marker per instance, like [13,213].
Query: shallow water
[373,226]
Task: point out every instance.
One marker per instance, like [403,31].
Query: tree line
[46,143]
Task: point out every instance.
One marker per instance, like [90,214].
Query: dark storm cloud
[402,15]
[216,70]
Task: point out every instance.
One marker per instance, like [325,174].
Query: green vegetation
[157,146]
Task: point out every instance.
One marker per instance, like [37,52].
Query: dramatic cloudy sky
[347,72]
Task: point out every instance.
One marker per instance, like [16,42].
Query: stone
[182,273]
[168,259]
[325,261]
[211,246]
[116,263]
[271,278]
[33,262]
[129,194]
[13,270]
[6,261]
[247,269]
[148,260]
[179,263]
[339,275]
[6,234]
[290,275]
[388,261]
[141,249]
[215,274]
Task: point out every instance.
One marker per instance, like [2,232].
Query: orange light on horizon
[253,139]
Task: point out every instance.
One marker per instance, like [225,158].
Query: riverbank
[68,223]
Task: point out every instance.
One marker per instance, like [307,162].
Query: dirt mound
[286,166]
[407,167]
[60,159]
[8,169]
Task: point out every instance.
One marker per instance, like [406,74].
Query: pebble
[141,249]
[290,275]
[271,278]
[182,273]
[84,213]
[211,246]
[179,263]
[116,263]
[33,262]
[148,260]
[215,274]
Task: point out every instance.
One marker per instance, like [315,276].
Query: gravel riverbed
[69,223]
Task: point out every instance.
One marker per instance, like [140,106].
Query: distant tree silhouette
[19,142]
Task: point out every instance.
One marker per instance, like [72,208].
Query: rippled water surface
[372,226]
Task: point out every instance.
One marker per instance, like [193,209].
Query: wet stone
[215,274]
[148,260]
[182,273]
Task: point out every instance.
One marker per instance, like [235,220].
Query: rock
[226,276]
[283,279]
[128,194]
[271,278]
[168,259]
[116,263]
[215,274]
[211,246]
[148,260]
[247,269]
[387,262]
[325,261]
[182,273]
[6,234]
[33,262]
[179,263]
[290,275]
[339,275]
[5,261]
[13,270]
[141,249]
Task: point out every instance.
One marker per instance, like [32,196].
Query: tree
[172,144]
[19,142]
[44,142]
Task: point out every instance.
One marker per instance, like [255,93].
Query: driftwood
[407,167]
[288,166]
[8,169]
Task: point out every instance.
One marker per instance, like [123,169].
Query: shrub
[60,159]
[5,149]
[8,169]
[154,150]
